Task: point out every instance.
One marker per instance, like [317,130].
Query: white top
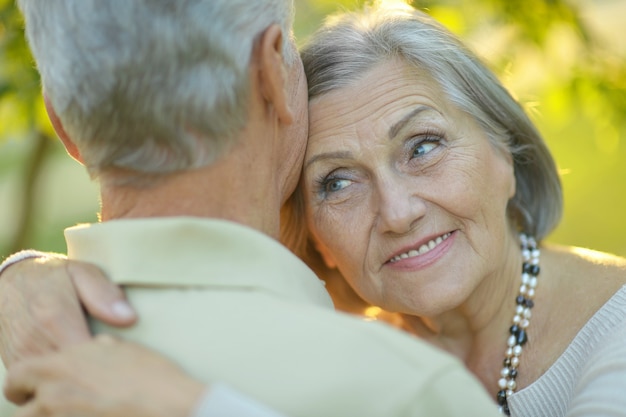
[589,378]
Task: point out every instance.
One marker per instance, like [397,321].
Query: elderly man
[192,116]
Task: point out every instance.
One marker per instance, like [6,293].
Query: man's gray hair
[350,44]
[152,86]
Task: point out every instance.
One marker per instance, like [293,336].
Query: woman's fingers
[101,298]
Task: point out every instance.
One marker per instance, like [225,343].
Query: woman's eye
[424,147]
[334,185]
[329,183]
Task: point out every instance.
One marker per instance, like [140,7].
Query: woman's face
[404,192]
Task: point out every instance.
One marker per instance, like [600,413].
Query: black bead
[514,329]
[501,397]
[513,373]
[522,337]
[530,303]
[520,300]
[530,269]
[507,362]
[505,409]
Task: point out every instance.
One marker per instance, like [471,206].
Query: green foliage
[21,119]
[19,81]
[535,18]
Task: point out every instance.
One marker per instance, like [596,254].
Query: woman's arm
[114,378]
[599,391]
[42,300]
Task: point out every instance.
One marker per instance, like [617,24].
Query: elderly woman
[428,188]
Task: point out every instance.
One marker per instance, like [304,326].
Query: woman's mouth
[425,248]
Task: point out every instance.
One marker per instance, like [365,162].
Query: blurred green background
[565,60]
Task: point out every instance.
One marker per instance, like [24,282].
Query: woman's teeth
[426,247]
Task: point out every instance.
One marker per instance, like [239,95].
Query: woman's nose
[399,207]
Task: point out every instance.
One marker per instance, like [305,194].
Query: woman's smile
[422,254]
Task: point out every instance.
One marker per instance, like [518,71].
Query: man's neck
[226,190]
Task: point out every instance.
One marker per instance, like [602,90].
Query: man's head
[150,86]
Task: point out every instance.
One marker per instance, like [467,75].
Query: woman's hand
[42,301]
[103,377]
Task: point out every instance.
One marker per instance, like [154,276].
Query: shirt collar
[186,251]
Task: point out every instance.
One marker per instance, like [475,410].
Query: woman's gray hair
[152,86]
[350,44]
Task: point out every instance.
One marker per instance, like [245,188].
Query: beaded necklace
[521,319]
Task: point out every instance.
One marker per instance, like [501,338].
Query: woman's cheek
[326,224]
[331,228]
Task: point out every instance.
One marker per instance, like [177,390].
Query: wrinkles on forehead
[387,98]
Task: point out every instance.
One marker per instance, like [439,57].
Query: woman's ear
[273,77]
[511,175]
[70,146]
[328,258]
[513,185]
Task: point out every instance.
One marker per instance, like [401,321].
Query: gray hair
[350,44]
[151,86]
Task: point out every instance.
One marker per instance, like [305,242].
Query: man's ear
[273,77]
[60,130]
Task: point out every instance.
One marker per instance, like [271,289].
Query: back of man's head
[152,86]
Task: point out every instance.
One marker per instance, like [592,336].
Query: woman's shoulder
[586,263]
[579,282]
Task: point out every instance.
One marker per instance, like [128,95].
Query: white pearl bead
[533,282]
[519,309]
[517,350]
[509,352]
[512,341]
[516,319]
[504,372]
[502,383]
[523,289]
[509,393]
[527,313]
[530,293]
[535,253]
[511,384]
[525,278]
[534,261]
[515,361]
[526,253]
[524,323]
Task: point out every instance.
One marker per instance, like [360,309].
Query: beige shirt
[231,305]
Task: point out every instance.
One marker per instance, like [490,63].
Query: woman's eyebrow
[327,155]
[398,126]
